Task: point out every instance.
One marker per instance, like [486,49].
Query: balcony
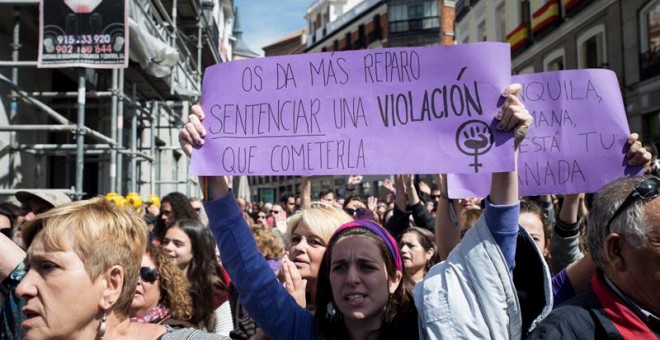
[518,38]
[545,16]
[344,19]
[572,7]
[649,64]
[462,7]
[414,25]
[356,11]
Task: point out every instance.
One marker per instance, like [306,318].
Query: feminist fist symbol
[474,138]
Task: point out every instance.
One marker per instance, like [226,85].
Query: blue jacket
[262,295]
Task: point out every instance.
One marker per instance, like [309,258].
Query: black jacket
[582,317]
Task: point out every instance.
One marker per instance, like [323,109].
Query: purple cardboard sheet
[395,110]
[577,142]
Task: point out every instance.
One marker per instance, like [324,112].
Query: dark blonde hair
[269,243]
[101,234]
[321,218]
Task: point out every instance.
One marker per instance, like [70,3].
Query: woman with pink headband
[361,292]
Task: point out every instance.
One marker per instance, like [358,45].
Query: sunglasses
[275,211]
[148,274]
[646,189]
[354,212]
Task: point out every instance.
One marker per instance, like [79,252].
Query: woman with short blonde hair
[83,262]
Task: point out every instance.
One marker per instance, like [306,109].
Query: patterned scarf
[156,315]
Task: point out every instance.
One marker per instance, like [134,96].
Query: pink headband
[390,242]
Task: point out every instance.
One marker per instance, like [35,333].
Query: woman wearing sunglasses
[162,292]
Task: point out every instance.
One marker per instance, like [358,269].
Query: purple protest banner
[395,110]
[577,142]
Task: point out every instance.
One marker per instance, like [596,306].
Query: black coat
[582,317]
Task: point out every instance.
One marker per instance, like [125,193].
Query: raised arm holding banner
[577,142]
[397,110]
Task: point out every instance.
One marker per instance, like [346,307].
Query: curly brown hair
[174,287]
[269,243]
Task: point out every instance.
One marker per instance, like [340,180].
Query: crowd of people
[412,264]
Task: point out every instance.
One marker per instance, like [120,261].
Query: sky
[266,21]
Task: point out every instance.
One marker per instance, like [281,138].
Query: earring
[331,313]
[390,309]
[103,326]
[330,310]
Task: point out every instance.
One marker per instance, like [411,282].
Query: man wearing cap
[34,203]
[623,238]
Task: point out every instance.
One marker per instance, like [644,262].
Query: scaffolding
[151,98]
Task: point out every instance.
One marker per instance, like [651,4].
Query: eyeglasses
[646,189]
[149,275]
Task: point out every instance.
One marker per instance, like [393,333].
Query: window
[396,13]
[591,48]
[326,16]
[462,32]
[649,34]
[651,126]
[481,31]
[416,11]
[420,15]
[377,30]
[500,25]
[362,37]
[650,27]
[554,61]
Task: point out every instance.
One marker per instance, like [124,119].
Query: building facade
[569,34]
[641,67]
[131,116]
